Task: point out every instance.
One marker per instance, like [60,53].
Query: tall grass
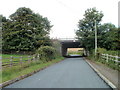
[98,58]
[16,71]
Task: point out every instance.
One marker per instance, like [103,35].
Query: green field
[75,53]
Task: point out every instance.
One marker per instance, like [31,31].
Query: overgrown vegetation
[47,56]
[98,58]
[16,71]
[107,33]
[46,53]
[108,38]
[25,30]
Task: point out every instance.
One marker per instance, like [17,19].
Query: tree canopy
[107,34]
[25,31]
[86,27]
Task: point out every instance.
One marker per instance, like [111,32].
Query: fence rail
[110,58]
[13,61]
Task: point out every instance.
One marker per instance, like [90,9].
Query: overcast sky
[63,14]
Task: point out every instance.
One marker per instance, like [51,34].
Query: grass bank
[110,62]
[17,71]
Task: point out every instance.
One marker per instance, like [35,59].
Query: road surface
[70,73]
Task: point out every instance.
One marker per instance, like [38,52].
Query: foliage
[56,44]
[2,18]
[108,37]
[107,33]
[46,53]
[17,71]
[111,63]
[86,27]
[110,52]
[25,31]
[101,50]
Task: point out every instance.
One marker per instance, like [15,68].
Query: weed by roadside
[16,71]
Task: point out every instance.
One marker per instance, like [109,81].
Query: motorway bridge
[70,43]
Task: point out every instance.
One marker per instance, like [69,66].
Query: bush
[114,53]
[104,51]
[56,44]
[46,53]
[101,50]
[98,58]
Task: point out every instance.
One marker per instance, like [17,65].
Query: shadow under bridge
[65,45]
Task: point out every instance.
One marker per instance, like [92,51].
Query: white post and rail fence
[110,59]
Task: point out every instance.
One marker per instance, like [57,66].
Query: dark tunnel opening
[71,45]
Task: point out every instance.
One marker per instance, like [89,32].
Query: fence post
[116,60]
[38,57]
[101,57]
[28,59]
[11,61]
[107,58]
[33,58]
[21,60]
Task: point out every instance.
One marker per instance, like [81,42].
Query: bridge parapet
[68,39]
[67,43]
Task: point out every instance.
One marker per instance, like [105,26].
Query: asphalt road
[70,73]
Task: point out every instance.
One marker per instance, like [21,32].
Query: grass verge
[17,71]
[110,64]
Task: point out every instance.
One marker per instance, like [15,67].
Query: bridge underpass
[69,73]
[65,44]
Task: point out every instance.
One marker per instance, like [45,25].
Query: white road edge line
[103,77]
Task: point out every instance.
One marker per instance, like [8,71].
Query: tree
[112,40]
[24,30]
[86,28]
[2,18]
[108,36]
